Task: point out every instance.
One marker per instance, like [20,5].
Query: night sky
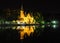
[51,6]
[47,7]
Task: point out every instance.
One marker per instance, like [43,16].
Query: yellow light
[43,26]
[13,27]
[14,21]
[42,22]
[28,20]
[23,27]
[18,22]
[18,27]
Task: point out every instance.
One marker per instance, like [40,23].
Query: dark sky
[50,6]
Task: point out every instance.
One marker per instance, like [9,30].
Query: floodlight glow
[7,22]
[42,22]
[54,26]
[14,21]
[13,27]
[54,22]
[43,26]
[18,22]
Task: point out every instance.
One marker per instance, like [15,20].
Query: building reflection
[25,30]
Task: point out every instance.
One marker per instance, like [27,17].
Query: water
[19,33]
[12,33]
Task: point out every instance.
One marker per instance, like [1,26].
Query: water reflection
[25,30]
[22,30]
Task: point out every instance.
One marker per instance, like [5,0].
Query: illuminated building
[22,19]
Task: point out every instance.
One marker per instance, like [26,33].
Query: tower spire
[22,12]
[21,6]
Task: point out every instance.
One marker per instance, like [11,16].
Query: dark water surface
[48,35]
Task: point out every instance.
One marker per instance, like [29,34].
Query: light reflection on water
[22,30]
[25,30]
